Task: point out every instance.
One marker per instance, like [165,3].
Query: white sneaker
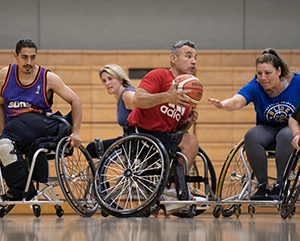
[171,195]
[198,198]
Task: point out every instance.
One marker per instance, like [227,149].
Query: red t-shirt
[163,117]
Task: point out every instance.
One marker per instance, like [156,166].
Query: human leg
[283,151]
[189,147]
[47,129]
[256,141]
[15,176]
[31,130]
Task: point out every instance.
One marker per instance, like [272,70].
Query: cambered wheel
[290,188]
[131,175]
[75,170]
[233,177]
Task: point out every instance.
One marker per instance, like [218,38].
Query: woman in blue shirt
[119,85]
[274,92]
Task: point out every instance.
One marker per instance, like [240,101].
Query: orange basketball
[190,82]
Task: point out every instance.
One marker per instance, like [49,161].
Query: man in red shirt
[161,110]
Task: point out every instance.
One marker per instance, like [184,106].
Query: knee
[7,152]
[284,136]
[250,136]
[190,141]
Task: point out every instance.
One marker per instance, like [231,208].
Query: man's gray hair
[181,43]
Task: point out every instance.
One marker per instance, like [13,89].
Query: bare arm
[56,85]
[295,129]
[3,73]
[234,103]
[2,115]
[144,99]
[128,99]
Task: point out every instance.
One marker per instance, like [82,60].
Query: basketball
[190,82]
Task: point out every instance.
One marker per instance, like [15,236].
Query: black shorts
[165,137]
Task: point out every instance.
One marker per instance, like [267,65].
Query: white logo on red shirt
[173,111]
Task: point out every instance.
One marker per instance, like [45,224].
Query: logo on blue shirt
[279,112]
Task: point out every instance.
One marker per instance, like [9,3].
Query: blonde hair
[117,72]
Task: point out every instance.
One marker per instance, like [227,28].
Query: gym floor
[204,227]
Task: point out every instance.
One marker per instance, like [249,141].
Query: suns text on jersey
[18,104]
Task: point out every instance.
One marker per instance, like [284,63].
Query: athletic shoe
[171,195]
[262,193]
[275,192]
[198,198]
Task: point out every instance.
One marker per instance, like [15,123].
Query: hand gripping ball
[190,82]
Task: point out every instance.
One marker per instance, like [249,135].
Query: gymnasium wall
[149,25]
[76,38]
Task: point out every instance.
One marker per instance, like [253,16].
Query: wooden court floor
[261,227]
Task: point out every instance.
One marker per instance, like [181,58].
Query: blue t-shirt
[274,111]
[122,112]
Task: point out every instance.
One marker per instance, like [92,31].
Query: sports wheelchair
[134,171]
[75,171]
[237,183]
[290,189]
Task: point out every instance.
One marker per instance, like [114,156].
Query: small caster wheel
[192,211]
[156,213]
[217,211]
[166,215]
[59,211]
[147,214]
[2,212]
[251,210]
[237,211]
[104,214]
[36,210]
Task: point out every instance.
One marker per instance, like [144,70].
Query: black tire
[75,171]
[131,175]
[290,188]
[233,178]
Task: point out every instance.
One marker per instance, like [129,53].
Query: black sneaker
[274,193]
[262,193]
